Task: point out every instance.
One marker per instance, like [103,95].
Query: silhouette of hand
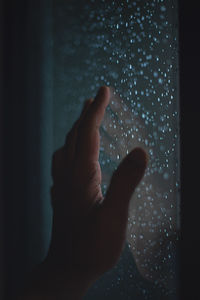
[89,230]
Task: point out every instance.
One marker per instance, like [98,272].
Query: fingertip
[138,157]
[103,89]
[132,168]
[87,103]
[103,93]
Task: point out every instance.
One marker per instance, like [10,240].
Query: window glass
[130,46]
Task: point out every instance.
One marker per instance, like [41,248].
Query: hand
[89,231]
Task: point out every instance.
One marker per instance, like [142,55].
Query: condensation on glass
[130,46]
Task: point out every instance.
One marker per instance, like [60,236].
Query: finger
[123,183]
[70,143]
[65,154]
[86,105]
[88,134]
[63,157]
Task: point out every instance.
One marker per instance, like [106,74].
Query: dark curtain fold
[25,81]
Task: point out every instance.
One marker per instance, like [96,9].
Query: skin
[89,230]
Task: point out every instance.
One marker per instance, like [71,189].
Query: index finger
[96,112]
[88,141]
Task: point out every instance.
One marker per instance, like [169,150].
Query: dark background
[190,108]
[19,130]
[21,59]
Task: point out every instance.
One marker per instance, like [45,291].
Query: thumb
[124,181]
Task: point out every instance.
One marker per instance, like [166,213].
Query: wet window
[130,46]
[57,54]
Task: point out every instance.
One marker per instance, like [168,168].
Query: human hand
[89,230]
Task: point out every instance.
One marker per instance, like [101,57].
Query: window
[132,47]
[62,51]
